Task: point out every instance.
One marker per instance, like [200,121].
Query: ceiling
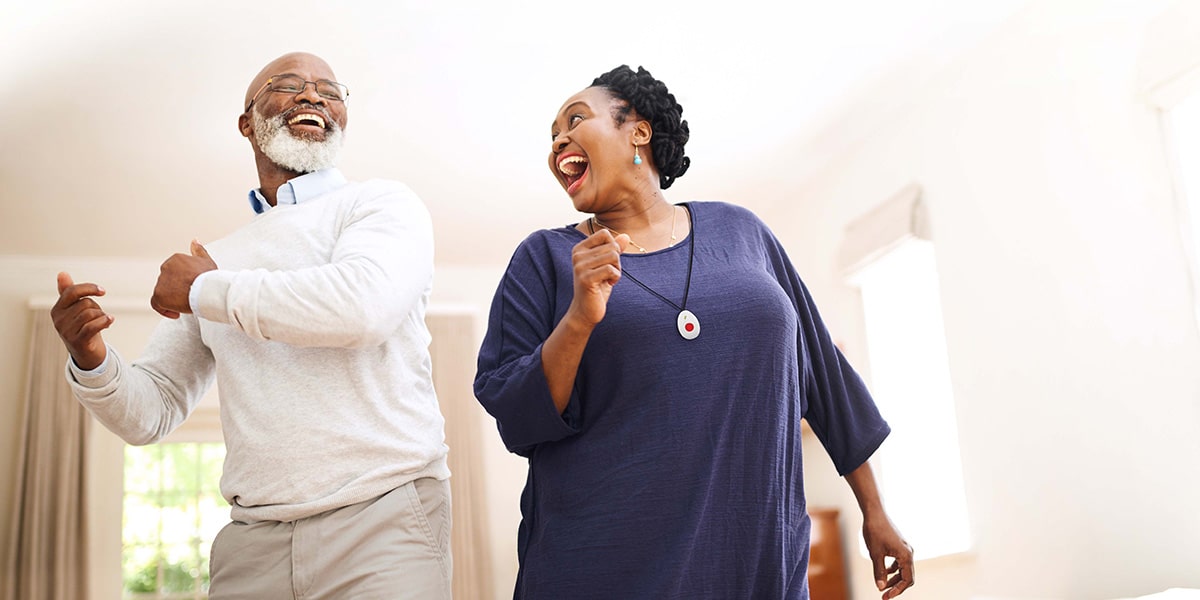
[119,130]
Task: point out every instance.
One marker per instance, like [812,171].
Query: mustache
[285,115]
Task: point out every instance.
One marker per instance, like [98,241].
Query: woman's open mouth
[574,169]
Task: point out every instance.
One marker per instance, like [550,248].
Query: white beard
[293,153]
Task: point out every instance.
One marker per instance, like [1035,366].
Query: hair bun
[656,104]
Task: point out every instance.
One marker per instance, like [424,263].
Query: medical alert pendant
[689,325]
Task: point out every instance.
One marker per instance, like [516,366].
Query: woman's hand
[597,268]
[596,263]
[881,536]
[884,540]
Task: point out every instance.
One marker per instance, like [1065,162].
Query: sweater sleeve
[835,400]
[144,401]
[380,269]
[509,381]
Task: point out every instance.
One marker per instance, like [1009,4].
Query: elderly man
[311,317]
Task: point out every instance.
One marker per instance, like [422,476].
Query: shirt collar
[300,189]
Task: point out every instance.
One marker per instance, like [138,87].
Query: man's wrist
[93,372]
[194,292]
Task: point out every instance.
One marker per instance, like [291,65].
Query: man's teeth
[572,165]
[307,117]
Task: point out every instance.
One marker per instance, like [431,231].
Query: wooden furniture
[826,566]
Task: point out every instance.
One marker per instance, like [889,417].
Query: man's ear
[244,124]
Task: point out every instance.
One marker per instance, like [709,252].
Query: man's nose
[312,97]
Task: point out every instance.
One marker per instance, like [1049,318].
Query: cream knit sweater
[314,327]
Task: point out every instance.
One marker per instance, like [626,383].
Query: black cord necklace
[687,323]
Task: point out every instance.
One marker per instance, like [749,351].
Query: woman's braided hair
[651,100]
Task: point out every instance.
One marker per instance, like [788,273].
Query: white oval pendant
[689,325]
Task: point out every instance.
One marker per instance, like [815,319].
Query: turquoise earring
[637,158]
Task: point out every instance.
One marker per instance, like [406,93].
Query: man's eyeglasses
[291,84]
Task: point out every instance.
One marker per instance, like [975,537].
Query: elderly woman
[653,362]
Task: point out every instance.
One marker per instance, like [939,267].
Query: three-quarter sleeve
[835,401]
[510,382]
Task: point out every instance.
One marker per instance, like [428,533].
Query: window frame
[900,220]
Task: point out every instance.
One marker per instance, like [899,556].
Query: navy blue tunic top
[675,471]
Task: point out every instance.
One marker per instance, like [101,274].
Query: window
[920,471]
[172,511]
[888,256]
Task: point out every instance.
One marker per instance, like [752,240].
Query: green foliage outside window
[173,510]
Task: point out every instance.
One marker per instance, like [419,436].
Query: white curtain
[48,547]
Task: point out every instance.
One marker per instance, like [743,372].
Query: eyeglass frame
[304,86]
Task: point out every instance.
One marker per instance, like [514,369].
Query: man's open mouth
[310,119]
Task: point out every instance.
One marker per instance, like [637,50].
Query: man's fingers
[198,250]
[64,282]
[96,325]
[170,314]
[75,292]
[83,311]
[73,326]
[158,308]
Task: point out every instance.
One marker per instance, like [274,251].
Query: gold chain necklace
[685,320]
[674,213]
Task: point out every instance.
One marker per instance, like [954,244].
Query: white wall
[1072,341]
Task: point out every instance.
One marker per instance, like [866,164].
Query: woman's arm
[528,362]
[882,537]
[597,268]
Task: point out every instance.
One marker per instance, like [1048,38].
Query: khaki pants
[395,546]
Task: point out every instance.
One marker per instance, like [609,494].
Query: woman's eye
[573,119]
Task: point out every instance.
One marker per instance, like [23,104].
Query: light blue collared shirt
[296,190]
[299,189]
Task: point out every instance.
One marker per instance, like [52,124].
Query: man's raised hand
[175,278]
[79,320]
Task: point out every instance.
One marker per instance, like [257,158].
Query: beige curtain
[453,351]
[48,546]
